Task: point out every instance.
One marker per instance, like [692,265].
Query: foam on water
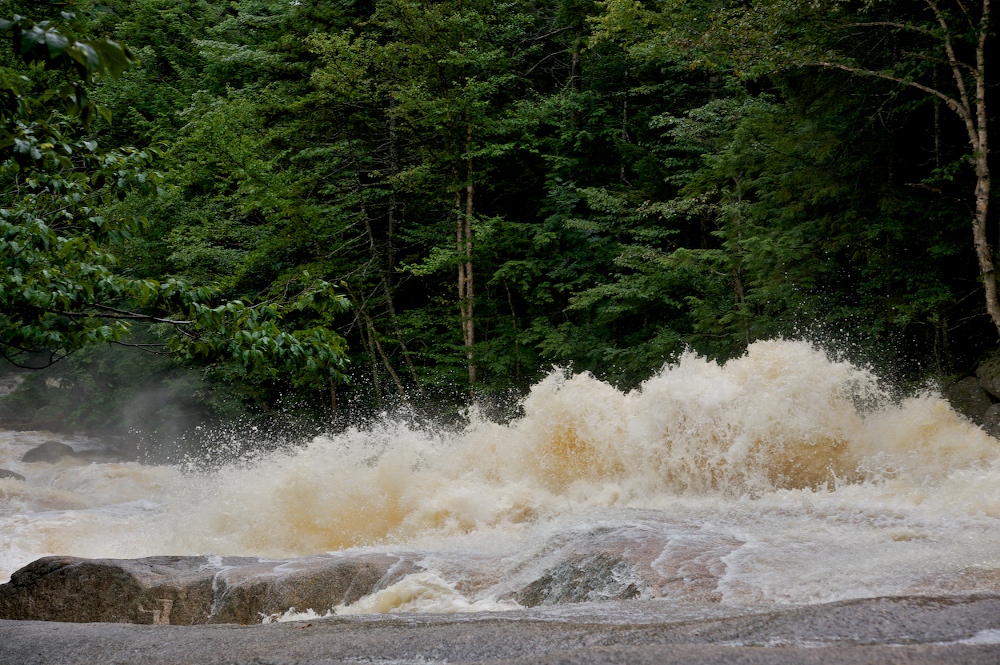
[779,477]
[990,636]
[422,592]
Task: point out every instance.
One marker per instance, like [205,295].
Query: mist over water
[781,477]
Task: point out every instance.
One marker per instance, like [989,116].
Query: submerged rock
[105,455]
[4,473]
[48,451]
[190,590]
[597,577]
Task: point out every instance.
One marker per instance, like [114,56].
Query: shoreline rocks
[613,565]
[968,398]
[178,590]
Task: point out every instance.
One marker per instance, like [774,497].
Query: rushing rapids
[781,477]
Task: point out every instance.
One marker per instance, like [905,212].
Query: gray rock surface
[48,451]
[969,398]
[916,630]
[4,473]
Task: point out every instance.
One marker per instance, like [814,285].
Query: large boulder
[968,398]
[4,473]
[48,451]
[991,421]
[988,374]
[191,590]
[153,590]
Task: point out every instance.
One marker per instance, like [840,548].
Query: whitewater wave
[783,464]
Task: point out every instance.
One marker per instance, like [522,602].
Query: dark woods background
[503,187]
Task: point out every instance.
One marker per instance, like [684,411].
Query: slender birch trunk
[463,247]
[466,293]
[980,142]
[469,323]
[970,107]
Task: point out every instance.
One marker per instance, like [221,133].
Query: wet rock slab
[612,564]
[171,590]
[598,565]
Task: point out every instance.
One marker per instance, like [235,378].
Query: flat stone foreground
[884,630]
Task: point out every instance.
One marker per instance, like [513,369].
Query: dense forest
[316,210]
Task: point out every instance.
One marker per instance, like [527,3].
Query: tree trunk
[980,144]
[377,346]
[463,238]
[365,334]
[390,254]
[470,330]
[984,251]
[970,105]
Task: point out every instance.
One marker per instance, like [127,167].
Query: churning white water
[780,477]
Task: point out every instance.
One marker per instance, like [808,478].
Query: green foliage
[644,179]
[60,290]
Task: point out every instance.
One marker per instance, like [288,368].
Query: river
[779,479]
